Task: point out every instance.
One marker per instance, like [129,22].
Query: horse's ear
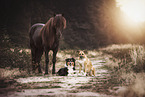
[54,14]
[62,14]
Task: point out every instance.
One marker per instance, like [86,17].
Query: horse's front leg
[54,61]
[46,61]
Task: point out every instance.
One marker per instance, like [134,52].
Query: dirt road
[65,86]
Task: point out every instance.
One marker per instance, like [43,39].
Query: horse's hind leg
[38,59]
[33,60]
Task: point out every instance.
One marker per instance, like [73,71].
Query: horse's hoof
[39,71]
[46,73]
[53,72]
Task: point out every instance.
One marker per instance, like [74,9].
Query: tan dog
[86,64]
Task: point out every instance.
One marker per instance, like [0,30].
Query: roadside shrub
[15,58]
[138,59]
[135,89]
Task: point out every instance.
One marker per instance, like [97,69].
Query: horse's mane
[51,23]
[59,19]
[54,20]
[49,28]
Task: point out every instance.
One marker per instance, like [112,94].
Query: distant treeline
[90,23]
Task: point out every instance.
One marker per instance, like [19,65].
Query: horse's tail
[31,32]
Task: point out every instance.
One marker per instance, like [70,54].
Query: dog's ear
[73,59]
[85,51]
[66,59]
[77,51]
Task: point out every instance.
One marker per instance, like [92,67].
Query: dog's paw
[79,74]
[85,74]
[70,75]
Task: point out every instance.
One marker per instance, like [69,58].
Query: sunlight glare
[135,9]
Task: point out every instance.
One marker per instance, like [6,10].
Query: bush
[138,58]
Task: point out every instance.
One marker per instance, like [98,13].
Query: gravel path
[64,86]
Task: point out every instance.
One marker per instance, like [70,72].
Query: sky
[134,9]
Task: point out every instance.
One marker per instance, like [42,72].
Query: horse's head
[59,24]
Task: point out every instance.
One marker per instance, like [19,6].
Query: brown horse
[45,37]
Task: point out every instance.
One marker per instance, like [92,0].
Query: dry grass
[8,73]
[138,58]
[129,62]
[125,60]
[14,62]
[135,89]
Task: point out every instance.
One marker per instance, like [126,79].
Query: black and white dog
[68,69]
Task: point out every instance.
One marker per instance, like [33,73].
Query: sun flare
[135,9]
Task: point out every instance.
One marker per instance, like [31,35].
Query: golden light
[135,9]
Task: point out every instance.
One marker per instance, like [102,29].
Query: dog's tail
[93,71]
[58,73]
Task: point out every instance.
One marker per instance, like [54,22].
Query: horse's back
[34,34]
[36,27]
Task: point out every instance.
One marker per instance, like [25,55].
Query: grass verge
[128,63]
